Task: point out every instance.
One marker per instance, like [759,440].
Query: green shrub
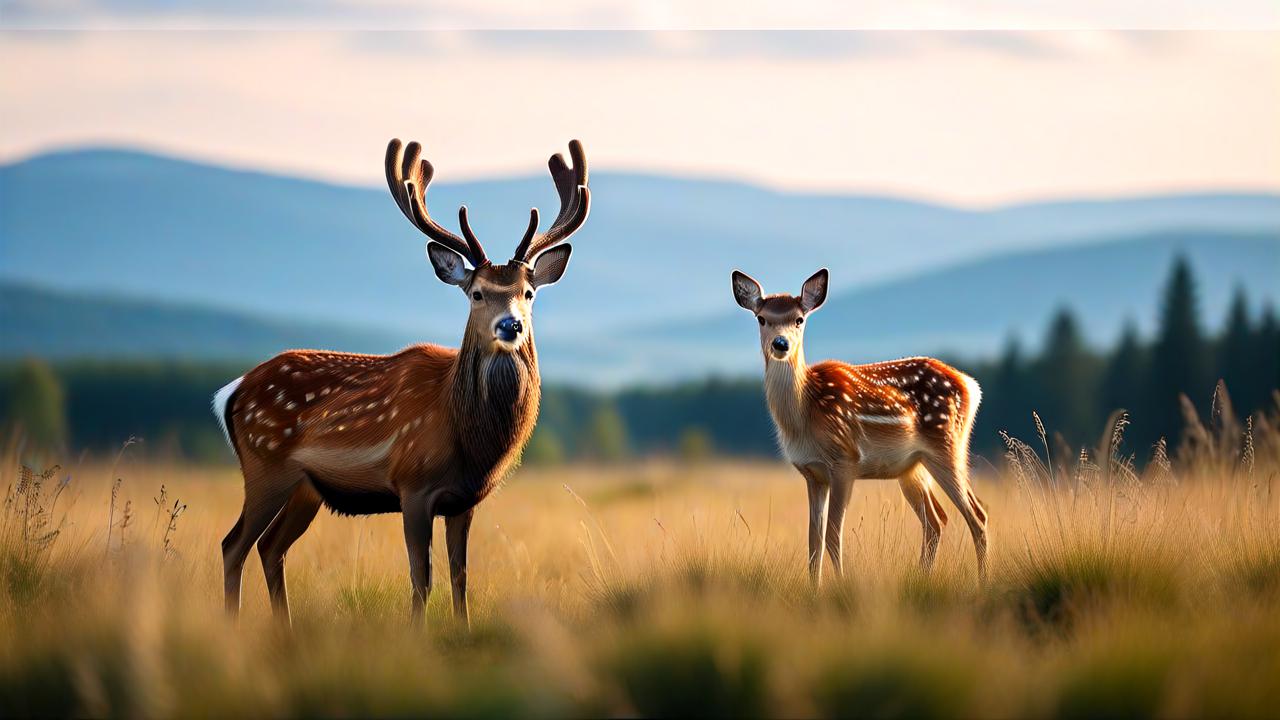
[695,673]
[1125,685]
[902,682]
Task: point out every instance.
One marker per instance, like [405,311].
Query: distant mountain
[969,309]
[656,249]
[55,324]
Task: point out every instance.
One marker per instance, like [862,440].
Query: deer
[909,419]
[429,431]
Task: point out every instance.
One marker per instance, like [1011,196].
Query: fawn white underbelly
[361,467]
[800,450]
[887,459]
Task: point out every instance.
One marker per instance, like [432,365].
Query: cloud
[780,45]
[637,15]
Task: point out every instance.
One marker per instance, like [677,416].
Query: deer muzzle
[508,329]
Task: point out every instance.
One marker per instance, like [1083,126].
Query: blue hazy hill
[55,324]
[156,227]
[647,292]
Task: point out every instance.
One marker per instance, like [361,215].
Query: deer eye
[761,319]
[799,321]
[477,296]
[528,294]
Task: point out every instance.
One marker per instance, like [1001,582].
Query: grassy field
[661,589]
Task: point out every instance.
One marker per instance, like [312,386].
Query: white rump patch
[220,400]
[975,392]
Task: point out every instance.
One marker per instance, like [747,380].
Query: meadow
[665,588]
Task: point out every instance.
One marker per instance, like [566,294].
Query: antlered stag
[426,432]
[908,419]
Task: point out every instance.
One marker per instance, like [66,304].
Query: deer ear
[449,265]
[814,291]
[747,291]
[550,265]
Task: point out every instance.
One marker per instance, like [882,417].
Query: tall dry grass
[659,590]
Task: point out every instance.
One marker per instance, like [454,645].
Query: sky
[1021,110]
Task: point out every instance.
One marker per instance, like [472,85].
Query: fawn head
[781,317]
[501,296]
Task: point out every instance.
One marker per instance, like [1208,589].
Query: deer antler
[408,175]
[575,203]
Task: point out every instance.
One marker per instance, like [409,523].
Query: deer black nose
[508,328]
[780,344]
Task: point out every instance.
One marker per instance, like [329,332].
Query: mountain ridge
[654,256]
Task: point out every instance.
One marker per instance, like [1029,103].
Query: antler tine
[476,251]
[408,176]
[523,249]
[395,178]
[575,201]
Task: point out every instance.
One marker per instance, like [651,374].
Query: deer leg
[915,488]
[953,477]
[819,487]
[263,500]
[418,517]
[456,531]
[841,490]
[280,535]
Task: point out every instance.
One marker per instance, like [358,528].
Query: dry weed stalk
[111,513]
[32,505]
[174,513]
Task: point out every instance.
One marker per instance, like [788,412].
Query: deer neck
[495,404]
[784,390]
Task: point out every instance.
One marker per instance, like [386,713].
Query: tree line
[98,405]
[1073,388]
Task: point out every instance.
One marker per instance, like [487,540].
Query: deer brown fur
[429,431]
[908,419]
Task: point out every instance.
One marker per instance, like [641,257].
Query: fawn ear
[449,265]
[814,291]
[747,291]
[550,265]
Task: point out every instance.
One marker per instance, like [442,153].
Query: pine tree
[1266,355]
[1234,364]
[1123,379]
[1005,400]
[544,448]
[36,405]
[1179,356]
[1066,380]
[607,435]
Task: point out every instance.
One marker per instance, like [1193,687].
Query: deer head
[781,317]
[501,296]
